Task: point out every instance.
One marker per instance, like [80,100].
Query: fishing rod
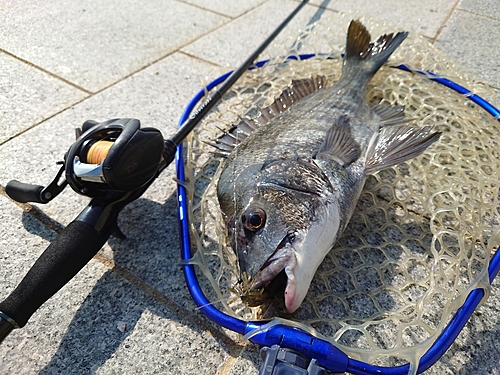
[113,162]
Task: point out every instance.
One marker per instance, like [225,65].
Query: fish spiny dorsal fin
[339,144]
[237,133]
[396,144]
[391,114]
[300,88]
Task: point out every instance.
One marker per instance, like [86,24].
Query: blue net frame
[327,355]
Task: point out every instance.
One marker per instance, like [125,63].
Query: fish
[291,177]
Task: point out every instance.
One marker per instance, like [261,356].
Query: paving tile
[422,17]
[118,330]
[165,346]
[98,323]
[231,44]
[23,238]
[468,39]
[93,43]
[236,9]
[475,350]
[248,363]
[106,325]
[490,8]
[28,96]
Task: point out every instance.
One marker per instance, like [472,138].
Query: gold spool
[98,152]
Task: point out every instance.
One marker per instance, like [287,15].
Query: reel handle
[24,193]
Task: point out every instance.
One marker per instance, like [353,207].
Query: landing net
[422,234]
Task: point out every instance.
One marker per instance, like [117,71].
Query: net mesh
[422,234]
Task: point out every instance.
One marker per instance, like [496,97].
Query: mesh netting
[421,236]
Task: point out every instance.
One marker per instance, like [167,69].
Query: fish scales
[288,189]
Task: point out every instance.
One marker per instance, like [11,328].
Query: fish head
[281,218]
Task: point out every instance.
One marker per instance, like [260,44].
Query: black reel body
[112,157]
[128,157]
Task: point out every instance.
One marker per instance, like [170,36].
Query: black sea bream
[292,177]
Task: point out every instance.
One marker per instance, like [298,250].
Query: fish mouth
[283,257]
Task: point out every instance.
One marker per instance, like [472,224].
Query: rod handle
[59,263]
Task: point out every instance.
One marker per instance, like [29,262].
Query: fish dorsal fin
[396,144]
[339,144]
[299,89]
[391,114]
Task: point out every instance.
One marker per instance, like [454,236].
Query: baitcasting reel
[113,162]
[108,158]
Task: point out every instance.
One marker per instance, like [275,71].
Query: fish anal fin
[391,114]
[397,144]
[339,144]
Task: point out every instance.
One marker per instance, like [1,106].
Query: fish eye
[254,219]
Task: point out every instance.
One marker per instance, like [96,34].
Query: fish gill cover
[422,233]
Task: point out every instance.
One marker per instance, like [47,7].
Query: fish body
[289,187]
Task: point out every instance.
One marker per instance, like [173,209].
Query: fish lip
[276,263]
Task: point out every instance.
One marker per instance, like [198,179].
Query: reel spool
[98,151]
[115,155]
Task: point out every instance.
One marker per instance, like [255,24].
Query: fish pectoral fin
[299,89]
[302,176]
[396,144]
[391,114]
[339,144]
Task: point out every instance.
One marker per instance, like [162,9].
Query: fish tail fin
[360,49]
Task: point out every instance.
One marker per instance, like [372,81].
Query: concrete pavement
[61,63]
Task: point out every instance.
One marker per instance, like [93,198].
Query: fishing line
[98,151]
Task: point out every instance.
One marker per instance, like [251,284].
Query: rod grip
[59,263]
[6,327]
